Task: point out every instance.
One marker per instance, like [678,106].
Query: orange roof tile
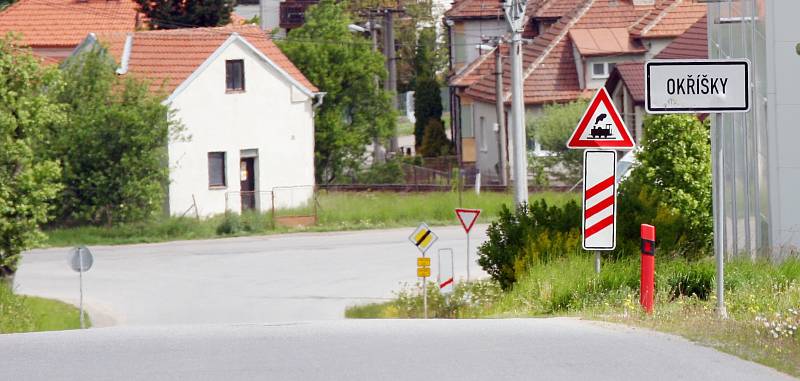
[65,23]
[692,44]
[555,8]
[669,19]
[475,9]
[168,57]
[604,41]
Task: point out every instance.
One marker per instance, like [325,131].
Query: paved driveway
[290,277]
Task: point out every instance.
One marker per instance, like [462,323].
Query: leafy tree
[427,96]
[671,185]
[173,14]
[343,65]
[435,142]
[27,183]
[113,146]
[552,128]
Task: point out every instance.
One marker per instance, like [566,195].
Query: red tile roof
[475,9]
[548,64]
[65,23]
[168,57]
[693,44]
[604,41]
[669,19]
[555,8]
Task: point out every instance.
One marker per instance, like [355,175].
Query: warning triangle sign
[467,217]
[601,126]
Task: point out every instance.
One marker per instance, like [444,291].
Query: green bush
[389,172]
[532,234]
[434,141]
[552,128]
[231,224]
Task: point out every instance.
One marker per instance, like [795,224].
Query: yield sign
[467,217]
[601,126]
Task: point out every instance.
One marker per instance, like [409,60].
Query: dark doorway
[248,183]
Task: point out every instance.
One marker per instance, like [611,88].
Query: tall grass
[29,314]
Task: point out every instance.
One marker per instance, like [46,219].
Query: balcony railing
[293,13]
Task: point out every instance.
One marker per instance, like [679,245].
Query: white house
[247,113]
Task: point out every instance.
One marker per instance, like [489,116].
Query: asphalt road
[291,277]
[529,349]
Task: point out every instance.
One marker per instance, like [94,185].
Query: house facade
[577,44]
[247,115]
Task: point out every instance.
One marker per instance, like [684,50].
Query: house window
[482,123]
[602,69]
[234,75]
[466,122]
[216,170]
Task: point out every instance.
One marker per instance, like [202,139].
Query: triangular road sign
[467,217]
[601,126]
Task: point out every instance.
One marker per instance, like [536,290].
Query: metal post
[597,262]
[718,187]
[501,123]
[80,276]
[467,258]
[425,297]
[515,12]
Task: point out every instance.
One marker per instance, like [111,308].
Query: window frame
[224,184]
[606,70]
[229,81]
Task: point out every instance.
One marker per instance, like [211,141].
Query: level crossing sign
[601,126]
[599,200]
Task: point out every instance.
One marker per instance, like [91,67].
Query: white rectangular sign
[697,86]
[599,200]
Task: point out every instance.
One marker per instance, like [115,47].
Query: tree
[427,96]
[27,182]
[112,146]
[343,65]
[552,128]
[435,142]
[173,14]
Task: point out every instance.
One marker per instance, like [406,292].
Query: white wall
[269,116]
[465,39]
[783,112]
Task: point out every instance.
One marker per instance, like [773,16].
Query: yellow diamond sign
[423,238]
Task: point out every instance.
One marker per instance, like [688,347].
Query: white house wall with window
[247,114]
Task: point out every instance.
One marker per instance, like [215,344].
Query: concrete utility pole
[377,154]
[391,66]
[501,123]
[515,14]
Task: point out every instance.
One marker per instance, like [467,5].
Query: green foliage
[670,187]
[174,14]
[388,172]
[552,128]
[246,223]
[28,183]
[343,65]
[113,145]
[31,314]
[530,235]
[435,142]
[427,96]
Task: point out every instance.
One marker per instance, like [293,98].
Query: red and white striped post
[646,293]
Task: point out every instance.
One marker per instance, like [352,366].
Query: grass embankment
[763,302]
[337,211]
[30,314]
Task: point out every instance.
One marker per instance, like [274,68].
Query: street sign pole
[80,260]
[467,217]
[80,276]
[467,256]
[424,296]
[718,159]
[597,262]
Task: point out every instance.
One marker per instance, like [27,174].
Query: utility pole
[377,155]
[515,14]
[391,66]
[501,123]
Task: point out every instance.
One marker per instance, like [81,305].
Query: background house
[247,110]
[570,58]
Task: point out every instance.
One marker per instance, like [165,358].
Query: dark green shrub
[231,224]
[683,278]
[389,172]
[532,234]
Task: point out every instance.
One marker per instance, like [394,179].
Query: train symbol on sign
[599,131]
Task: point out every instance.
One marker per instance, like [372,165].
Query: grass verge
[32,314]
[337,211]
[763,302]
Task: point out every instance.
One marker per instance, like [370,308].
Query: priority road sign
[423,238]
[601,126]
[697,86]
[599,200]
[467,217]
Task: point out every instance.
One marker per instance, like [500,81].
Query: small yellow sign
[423,261]
[423,272]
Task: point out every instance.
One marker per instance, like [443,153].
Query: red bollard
[648,267]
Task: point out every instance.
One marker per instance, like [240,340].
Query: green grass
[763,302]
[32,314]
[337,211]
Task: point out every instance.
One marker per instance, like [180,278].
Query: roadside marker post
[714,86]
[647,289]
[445,275]
[423,238]
[467,217]
[81,260]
